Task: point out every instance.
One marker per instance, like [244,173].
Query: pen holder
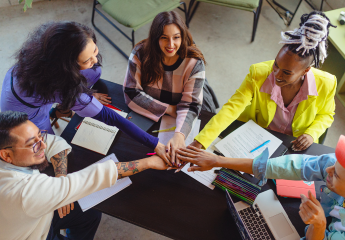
[237,185]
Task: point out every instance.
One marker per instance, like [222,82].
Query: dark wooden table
[174,205]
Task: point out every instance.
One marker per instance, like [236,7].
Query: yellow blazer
[313,116]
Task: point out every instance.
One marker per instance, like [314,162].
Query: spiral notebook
[95,135]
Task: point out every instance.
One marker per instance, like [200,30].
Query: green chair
[322,138]
[247,5]
[133,14]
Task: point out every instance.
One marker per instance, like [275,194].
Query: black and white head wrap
[310,38]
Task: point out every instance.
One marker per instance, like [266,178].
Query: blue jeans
[81,225]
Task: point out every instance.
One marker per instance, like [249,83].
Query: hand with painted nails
[204,160]
[161,152]
[302,142]
[176,142]
[196,144]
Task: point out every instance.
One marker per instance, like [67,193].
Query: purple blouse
[94,109]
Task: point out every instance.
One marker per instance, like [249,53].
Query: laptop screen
[242,229]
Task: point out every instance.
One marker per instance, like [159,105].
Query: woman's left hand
[302,142]
[175,143]
[161,152]
[102,98]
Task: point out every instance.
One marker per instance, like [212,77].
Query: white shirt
[28,198]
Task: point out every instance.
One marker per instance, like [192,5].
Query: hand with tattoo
[125,169]
[59,162]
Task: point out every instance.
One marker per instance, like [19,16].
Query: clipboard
[143,122]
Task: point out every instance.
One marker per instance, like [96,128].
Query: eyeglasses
[37,145]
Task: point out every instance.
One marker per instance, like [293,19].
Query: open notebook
[101,195]
[95,135]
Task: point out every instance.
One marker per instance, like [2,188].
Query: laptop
[265,219]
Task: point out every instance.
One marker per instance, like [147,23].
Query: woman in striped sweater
[166,75]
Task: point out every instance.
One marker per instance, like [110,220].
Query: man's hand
[176,142]
[302,142]
[126,169]
[312,213]
[63,211]
[157,163]
[102,98]
[204,160]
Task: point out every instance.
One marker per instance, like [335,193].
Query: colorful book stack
[237,185]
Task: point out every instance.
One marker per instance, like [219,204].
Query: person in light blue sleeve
[328,167]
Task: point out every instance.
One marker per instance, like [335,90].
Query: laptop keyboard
[255,223]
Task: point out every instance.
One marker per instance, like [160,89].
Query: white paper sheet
[205,177]
[250,135]
[99,196]
[169,122]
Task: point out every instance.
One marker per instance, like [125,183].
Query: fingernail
[176,171]
[168,168]
[179,165]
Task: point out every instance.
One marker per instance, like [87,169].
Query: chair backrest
[322,138]
[247,5]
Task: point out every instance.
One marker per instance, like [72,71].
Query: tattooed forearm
[59,162]
[125,169]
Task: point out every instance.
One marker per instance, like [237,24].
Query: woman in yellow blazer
[313,114]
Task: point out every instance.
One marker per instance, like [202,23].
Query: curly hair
[152,68]
[47,64]
[310,39]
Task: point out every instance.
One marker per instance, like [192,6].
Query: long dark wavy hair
[47,64]
[152,56]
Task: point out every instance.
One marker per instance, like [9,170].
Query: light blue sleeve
[334,235]
[292,167]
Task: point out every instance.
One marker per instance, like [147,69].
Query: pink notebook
[293,189]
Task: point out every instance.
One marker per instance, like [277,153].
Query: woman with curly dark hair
[58,64]
[166,75]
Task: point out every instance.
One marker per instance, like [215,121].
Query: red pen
[149,154]
[113,107]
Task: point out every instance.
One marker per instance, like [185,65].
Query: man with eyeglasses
[29,200]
